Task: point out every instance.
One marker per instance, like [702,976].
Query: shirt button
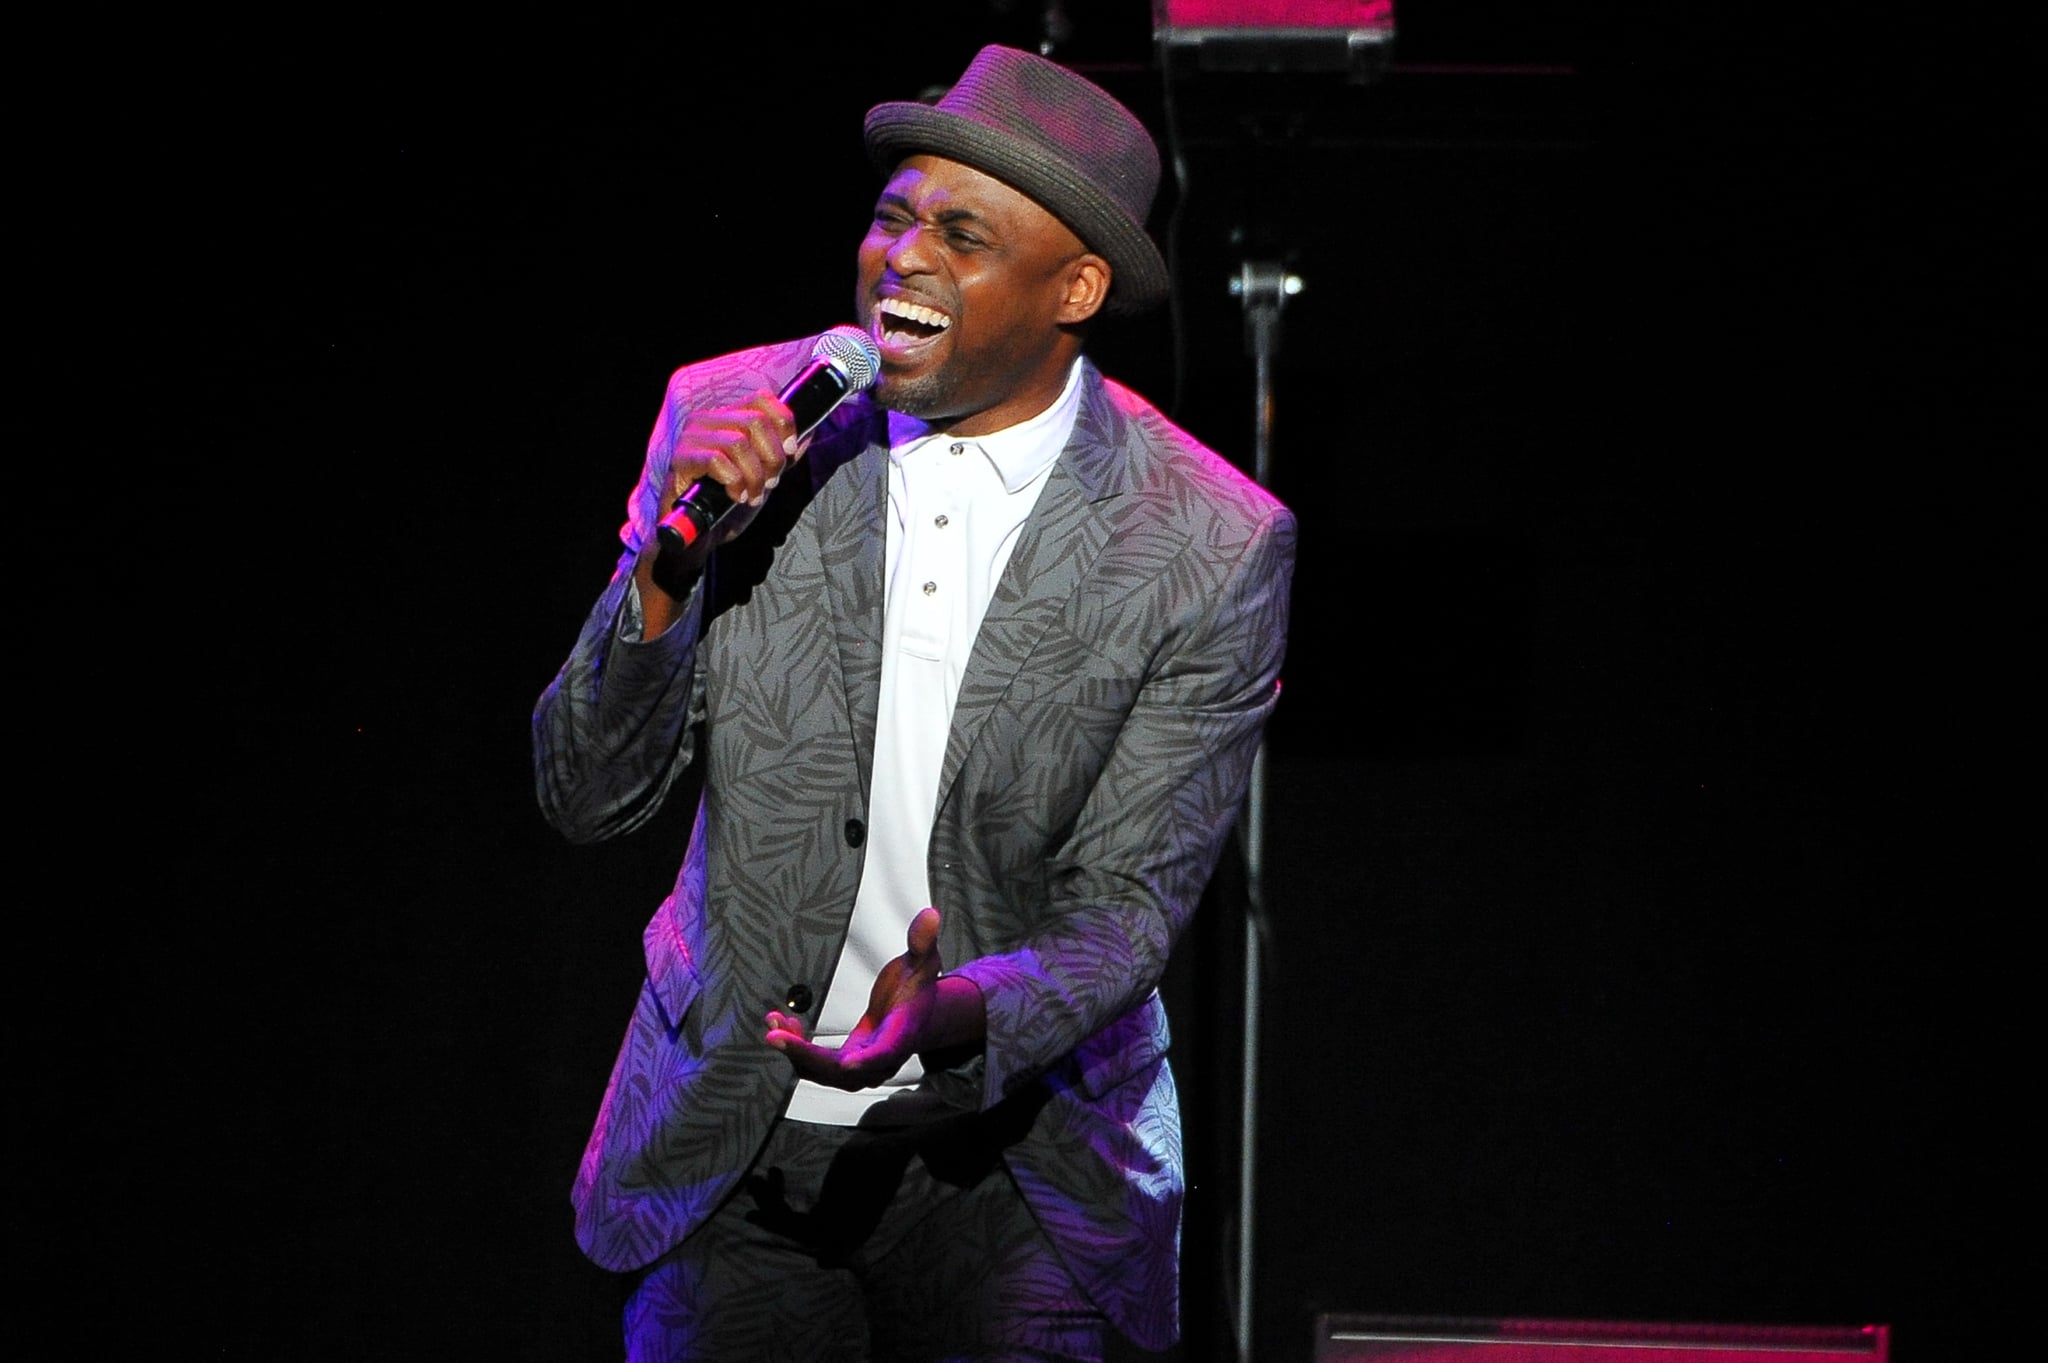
[799,1000]
[939,521]
[930,588]
[959,447]
[856,833]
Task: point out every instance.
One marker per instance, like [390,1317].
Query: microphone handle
[686,531]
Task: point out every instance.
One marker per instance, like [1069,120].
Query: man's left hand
[910,1009]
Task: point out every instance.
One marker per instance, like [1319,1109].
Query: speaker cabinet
[1409,1339]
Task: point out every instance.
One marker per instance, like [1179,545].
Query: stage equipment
[1335,43]
[1411,1339]
[1351,38]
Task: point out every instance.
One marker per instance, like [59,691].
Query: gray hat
[1053,136]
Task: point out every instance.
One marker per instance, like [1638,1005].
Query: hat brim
[1139,278]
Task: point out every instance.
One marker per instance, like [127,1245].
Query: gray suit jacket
[1100,751]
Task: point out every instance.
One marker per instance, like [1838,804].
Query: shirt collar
[1020,453]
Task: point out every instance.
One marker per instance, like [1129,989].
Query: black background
[1637,945]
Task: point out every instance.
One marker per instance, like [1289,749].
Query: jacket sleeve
[614,728]
[1123,883]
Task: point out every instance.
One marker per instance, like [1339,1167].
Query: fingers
[923,937]
[808,1060]
[786,1034]
[788,1024]
[744,449]
[849,1068]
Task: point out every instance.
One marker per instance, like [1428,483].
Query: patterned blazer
[1099,754]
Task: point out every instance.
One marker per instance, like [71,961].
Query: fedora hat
[1046,132]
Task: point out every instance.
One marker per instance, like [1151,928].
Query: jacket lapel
[851,555]
[1053,556]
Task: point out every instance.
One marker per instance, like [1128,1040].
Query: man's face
[967,287]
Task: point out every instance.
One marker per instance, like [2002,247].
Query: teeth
[914,312]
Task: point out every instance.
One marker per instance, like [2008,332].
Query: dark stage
[1631,833]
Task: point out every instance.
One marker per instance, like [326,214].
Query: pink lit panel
[1348,14]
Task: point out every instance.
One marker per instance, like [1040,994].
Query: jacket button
[856,833]
[799,1000]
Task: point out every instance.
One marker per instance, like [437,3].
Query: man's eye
[965,241]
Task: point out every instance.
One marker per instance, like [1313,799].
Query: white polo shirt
[956,508]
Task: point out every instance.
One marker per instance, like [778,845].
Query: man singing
[972,685]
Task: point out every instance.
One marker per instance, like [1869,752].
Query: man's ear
[1088,280]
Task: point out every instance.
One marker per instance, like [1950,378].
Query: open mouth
[900,323]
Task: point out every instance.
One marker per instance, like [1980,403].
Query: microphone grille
[850,350]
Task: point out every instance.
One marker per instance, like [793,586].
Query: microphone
[843,362]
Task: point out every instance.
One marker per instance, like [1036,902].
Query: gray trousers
[867,1246]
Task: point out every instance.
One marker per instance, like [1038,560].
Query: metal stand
[1263,287]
